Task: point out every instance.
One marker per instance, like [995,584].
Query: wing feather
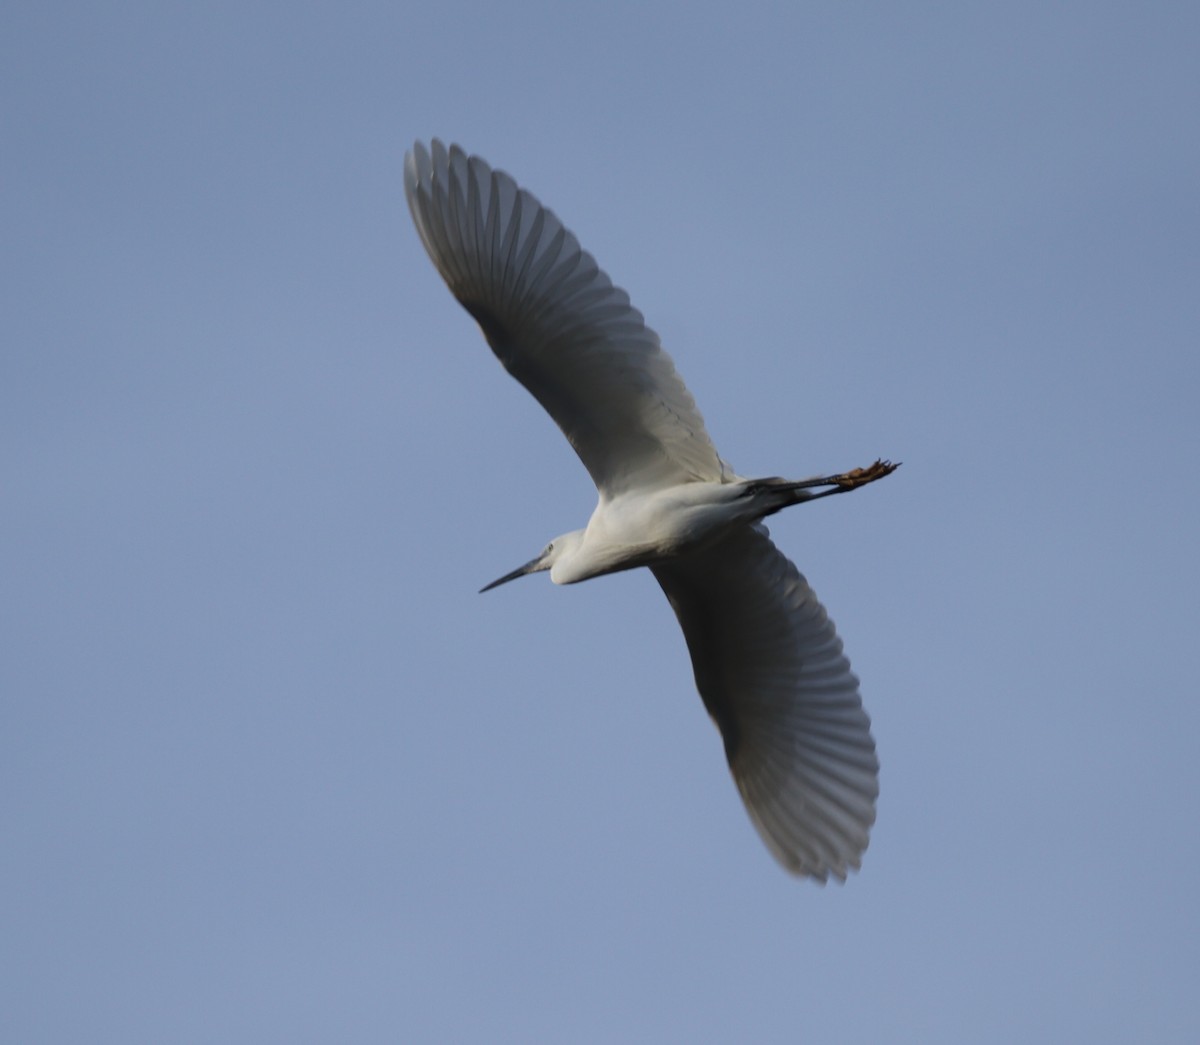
[770,669]
[558,324]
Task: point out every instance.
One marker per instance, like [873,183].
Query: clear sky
[272,771]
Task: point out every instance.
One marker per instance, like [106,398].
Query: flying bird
[768,663]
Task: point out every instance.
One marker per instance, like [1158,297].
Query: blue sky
[271,771]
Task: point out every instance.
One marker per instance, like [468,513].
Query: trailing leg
[777,494]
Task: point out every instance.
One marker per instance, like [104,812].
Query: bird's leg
[849,480]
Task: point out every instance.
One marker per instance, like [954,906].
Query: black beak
[520,571]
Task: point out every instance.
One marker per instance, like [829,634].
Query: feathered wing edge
[770,669]
[557,323]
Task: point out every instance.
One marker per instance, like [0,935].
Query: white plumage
[767,660]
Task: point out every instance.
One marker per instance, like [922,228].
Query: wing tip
[814,818]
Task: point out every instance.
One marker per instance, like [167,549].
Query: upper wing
[770,668]
[558,324]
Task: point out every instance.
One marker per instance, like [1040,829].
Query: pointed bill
[531,566]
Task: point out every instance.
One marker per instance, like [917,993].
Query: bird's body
[768,663]
[640,528]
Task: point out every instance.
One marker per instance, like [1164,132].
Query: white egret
[768,663]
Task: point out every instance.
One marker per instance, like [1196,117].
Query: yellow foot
[862,476]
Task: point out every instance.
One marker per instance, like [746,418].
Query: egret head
[554,552]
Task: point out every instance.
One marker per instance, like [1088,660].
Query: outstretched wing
[558,324]
[771,671]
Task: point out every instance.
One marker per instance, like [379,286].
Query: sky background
[272,771]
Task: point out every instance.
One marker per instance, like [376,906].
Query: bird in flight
[767,661]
